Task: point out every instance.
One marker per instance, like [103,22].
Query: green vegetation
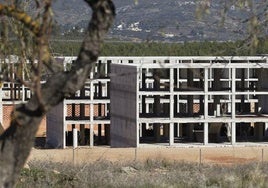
[70,48]
[151,173]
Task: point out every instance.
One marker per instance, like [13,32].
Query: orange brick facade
[7,109]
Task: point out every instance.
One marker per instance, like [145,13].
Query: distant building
[159,100]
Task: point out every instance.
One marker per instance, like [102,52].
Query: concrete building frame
[237,84]
[232,90]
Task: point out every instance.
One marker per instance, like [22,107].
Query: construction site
[170,101]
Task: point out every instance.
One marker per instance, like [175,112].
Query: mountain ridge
[158,20]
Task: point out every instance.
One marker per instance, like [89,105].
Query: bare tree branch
[12,11]
[17,140]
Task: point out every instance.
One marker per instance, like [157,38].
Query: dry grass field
[147,167]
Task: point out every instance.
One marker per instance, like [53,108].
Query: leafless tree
[17,141]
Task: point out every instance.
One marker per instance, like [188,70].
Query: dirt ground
[198,154]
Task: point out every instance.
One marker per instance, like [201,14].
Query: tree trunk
[17,141]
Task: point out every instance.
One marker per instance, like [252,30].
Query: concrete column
[190,103]
[266,129]
[157,109]
[233,132]
[147,107]
[171,134]
[201,97]
[64,123]
[243,89]
[141,130]
[178,130]
[171,106]
[206,105]
[91,113]
[100,113]
[217,87]
[99,107]
[55,127]
[233,93]
[205,133]
[144,107]
[91,132]
[206,93]
[91,135]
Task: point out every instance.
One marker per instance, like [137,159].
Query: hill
[158,20]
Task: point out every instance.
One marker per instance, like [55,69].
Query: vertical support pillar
[171,134]
[157,109]
[75,138]
[91,135]
[243,89]
[82,115]
[91,113]
[205,133]
[216,87]
[147,107]
[64,124]
[233,132]
[190,103]
[178,130]
[206,105]
[201,97]
[266,129]
[137,108]
[100,109]
[171,106]
[233,139]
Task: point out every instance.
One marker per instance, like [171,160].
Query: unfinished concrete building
[189,99]
[12,93]
[170,100]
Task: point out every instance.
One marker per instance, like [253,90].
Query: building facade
[160,100]
[189,99]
